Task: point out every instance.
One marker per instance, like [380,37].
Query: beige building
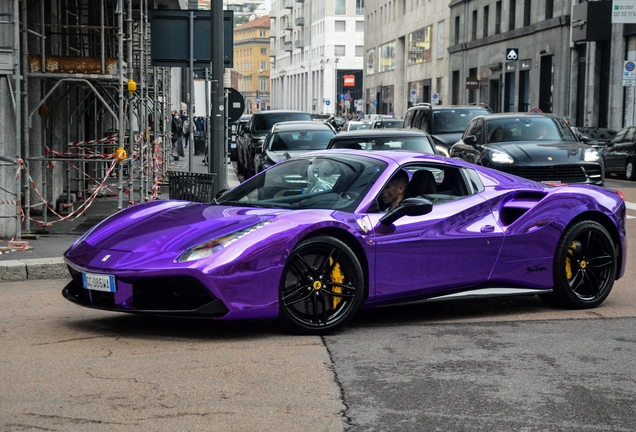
[251,64]
[407,61]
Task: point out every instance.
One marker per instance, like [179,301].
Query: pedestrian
[177,136]
[200,126]
[186,130]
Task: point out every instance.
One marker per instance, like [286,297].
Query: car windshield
[318,182]
[264,123]
[412,143]
[358,126]
[510,129]
[388,124]
[454,120]
[300,140]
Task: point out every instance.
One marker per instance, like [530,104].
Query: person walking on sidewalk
[177,137]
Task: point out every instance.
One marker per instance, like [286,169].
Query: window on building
[486,12]
[549,9]
[359,26]
[512,15]
[359,50]
[387,57]
[456,40]
[474,28]
[341,26]
[263,33]
[420,45]
[527,11]
[441,29]
[262,83]
[498,17]
[263,65]
[359,7]
[263,51]
[339,50]
[341,7]
[371,61]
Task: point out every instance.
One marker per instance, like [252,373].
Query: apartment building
[251,71]
[317,52]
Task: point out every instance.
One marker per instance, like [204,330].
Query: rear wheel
[585,266]
[321,288]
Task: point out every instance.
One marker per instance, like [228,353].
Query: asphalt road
[495,365]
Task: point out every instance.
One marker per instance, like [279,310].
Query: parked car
[619,155]
[287,139]
[387,124]
[352,125]
[308,242]
[255,130]
[237,127]
[445,123]
[539,147]
[383,139]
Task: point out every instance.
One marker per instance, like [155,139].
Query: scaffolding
[89,108]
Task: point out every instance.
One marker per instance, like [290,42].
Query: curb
[42,268]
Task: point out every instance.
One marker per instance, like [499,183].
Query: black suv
[445,123]
[255,130]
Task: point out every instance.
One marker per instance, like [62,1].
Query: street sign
[327,102]
[435,99]
[536,110]
[235,103]
[512,54]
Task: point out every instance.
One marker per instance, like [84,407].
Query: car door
[456,244]
[613,155]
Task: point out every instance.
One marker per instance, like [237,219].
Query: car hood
[279,156]
[548,152]
[172,226]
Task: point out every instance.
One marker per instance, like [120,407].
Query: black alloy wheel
[585,266]
[321,288]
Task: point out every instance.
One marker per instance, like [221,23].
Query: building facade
[251,64]
[317,52]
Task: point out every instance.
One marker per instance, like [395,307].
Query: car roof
[518,114]
[395,156]
[448,107]
[279,112]
[363,133]
[300,125]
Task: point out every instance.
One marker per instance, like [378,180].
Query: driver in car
[395,190]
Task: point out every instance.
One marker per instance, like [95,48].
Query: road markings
[630,206]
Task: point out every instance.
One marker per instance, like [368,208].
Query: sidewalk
[43,259]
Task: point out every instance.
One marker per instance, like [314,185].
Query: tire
[630,170]
[584,266]
[321,288]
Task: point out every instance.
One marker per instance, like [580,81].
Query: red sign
[349,80]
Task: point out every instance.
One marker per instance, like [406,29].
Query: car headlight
[213,246]
[591,155]
[501,157]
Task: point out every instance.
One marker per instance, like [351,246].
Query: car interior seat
[422,183]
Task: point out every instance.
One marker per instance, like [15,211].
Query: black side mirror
[408,207]
[471,140]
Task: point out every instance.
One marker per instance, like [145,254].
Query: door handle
[487,229]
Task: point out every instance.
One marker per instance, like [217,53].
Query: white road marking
[630,206]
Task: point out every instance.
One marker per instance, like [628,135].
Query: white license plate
[99,282]
[552,182]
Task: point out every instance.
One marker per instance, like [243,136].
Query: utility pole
[216,149]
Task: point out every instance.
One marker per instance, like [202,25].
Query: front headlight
[591,155]
[213,246]
[501,157]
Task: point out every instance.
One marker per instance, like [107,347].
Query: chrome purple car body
[309,241]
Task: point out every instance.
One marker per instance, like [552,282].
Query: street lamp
[337,99]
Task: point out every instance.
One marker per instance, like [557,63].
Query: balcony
[288,47]
[299,44]
[288,4]
[300,21]
[300,1]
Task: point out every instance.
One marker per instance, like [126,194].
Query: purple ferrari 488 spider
[310,241]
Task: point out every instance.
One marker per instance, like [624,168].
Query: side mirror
[584,138]
[471,140]
[408,207]
[258,147]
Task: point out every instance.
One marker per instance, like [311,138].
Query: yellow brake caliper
[568,265]
[338,277]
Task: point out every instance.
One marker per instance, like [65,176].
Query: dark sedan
[620,154]
[539,147]
[383,139]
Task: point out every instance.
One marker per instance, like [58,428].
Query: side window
[470,129]
[478,130]
[408,119]
[629,138]
[620,136]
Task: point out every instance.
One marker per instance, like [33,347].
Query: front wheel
[321,288]
[584,266]
[630,172]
